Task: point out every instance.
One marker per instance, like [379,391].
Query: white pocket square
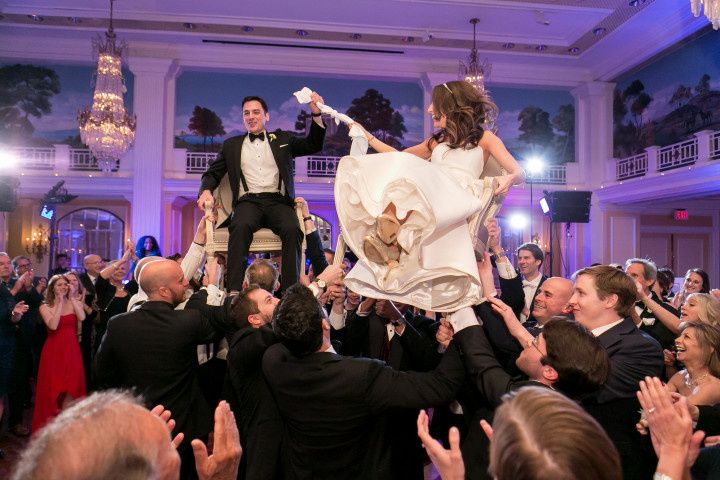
[283,145]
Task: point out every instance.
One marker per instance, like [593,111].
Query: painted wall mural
[209,110]
[669,100]
[39,103]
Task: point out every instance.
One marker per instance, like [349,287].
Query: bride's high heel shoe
[378,251]
[387,228]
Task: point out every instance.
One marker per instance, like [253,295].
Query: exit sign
[681,214]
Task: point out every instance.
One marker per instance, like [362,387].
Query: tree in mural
[681,96]
[639,101]
[301,122]
[25,91]
[206,123]
[535,127]
[703,86]
[564,123]
[375,112]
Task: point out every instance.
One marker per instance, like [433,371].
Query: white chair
[264,240]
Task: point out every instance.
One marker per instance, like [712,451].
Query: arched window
[324,229]
[90,230]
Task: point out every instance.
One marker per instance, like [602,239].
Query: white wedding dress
[447,201]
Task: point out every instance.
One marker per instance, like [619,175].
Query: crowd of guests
[544,379]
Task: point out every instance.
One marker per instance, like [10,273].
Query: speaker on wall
[8,193]
[569,206]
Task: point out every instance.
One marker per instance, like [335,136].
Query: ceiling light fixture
[508,45]
[475,72]
[106,127]
[356,36]
[711,9]
[573,50]
[301,33]
[36,18]
[599,31]
[247,29]
[189,26]
[541,48]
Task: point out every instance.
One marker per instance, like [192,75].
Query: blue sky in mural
[75,93]
[223,93]
[683,66]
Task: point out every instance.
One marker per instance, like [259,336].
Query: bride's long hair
[468,113]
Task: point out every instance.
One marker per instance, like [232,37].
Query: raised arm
[112,267]
[492,145]
[51,315]
[668,318]
[77,304]
[513,324]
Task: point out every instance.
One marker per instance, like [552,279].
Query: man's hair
[105,443]
[174,257]
[534,249]
[709,311]
[576,355]
[297,321]
[250,98]
[243,306]
[610,280]
[61,255]
[708,338]
[329,250]
[539,433]
[649,268]
[666,279]
[17,259]
[262,272]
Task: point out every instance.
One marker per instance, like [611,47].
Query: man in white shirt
[259,166]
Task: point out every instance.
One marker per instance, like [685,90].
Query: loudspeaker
[8,193]
[569,207]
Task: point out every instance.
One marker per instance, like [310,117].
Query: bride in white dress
[414,224]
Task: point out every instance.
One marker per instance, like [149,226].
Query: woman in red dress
[61,378]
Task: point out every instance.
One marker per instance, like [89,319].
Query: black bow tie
[260,135]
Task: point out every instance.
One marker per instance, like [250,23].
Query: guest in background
[112,297]
[698,349]
[62,264]
[61,378]
[147,246]
[702,307]
[696,281]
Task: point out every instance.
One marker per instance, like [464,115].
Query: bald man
[114,436]
[153,350]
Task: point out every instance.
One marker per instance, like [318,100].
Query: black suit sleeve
[511,292]
[106,373]
[215,172]
[389,388]
[709,419]
[217,316]
[419,344]
[497,332]
[490,379]
[355,336]
[315,252]
[313,143]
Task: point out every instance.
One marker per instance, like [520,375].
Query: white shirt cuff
[337,320]
[463,318]
[506,270]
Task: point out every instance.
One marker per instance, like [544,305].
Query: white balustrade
[551,175]
[323,167]
[35,158]
[197,162]
[677,155]
[715,146]
[631,167]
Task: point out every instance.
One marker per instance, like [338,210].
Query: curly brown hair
[468,113]
[50,290]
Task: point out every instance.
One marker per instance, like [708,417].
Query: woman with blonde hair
[416,219]
[61,377]
[698,348]
[702,307]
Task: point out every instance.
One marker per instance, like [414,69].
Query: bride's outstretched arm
[421,149]
[492,144]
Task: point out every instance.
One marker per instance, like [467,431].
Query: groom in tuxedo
[260,170]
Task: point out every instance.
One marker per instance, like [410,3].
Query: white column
[593,148]
[152,106]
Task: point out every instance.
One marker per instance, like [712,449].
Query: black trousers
[264,210]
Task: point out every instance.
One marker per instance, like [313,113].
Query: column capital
[593,89]
[166,67]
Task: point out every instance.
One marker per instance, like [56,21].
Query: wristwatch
[321,284]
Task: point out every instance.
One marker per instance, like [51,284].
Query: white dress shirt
[258,166]
[529,289]
[600,330]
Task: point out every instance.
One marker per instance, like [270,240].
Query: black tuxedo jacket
[255,410]
[658,330]
[285,146]
[153,350]
[332,408]
[633,356]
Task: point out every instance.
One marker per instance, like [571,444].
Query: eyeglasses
[21,265]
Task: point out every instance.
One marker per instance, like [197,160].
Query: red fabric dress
[60,373]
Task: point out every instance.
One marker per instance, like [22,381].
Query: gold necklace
[694,383]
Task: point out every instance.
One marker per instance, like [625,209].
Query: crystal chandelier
[106,127]
[711,9]
[475,72]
